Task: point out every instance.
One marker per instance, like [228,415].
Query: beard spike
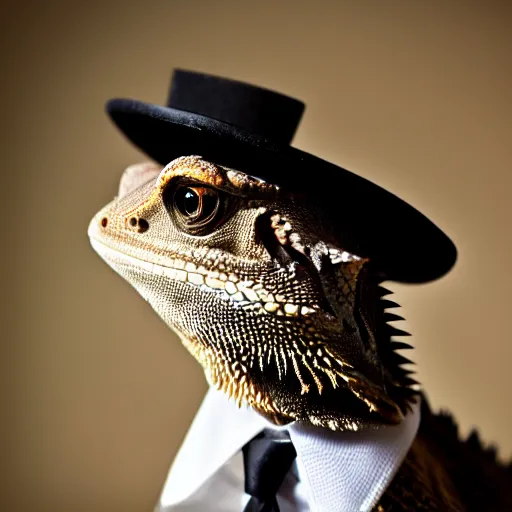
[391,317]
[400,345]
[402,386]
[382,292]
[389,304]
[393,331]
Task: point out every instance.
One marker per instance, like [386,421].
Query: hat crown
[259,111]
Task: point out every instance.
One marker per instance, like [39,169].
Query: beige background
[413,95]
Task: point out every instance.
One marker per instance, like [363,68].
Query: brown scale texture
[442,472]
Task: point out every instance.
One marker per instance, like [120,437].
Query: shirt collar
[340,470]
[351,470]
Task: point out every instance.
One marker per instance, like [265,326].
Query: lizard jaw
[222,374]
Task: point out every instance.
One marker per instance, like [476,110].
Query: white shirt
[333,471]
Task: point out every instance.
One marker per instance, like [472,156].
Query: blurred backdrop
[415,96]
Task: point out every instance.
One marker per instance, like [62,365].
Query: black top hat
[249,128]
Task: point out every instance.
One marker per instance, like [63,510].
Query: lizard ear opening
[265,235]
[284,254]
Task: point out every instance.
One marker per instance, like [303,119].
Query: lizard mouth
[115,257]
[241,291]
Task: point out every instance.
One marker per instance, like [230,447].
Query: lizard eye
[197,209]
[196,203]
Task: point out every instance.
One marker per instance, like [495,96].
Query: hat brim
[404,244]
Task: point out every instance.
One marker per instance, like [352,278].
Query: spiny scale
[265,298]
[391,317]
[400,345]
[403,387]
[399,359]
[393,331]
[382,292]
[388,304]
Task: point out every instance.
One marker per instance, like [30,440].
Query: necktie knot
[267,459]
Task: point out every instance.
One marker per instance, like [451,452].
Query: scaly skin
[278,314]
[284,320]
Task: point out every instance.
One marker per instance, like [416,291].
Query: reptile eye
[196,203]
[196,209]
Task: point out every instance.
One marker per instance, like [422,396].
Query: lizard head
[281,316]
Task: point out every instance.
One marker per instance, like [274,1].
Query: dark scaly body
[277,312]
[442,472]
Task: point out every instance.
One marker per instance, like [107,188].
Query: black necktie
[267,459]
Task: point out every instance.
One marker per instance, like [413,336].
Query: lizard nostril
[143,225]
[139,225]
[104,222]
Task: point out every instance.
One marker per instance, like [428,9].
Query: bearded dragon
[284,319]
